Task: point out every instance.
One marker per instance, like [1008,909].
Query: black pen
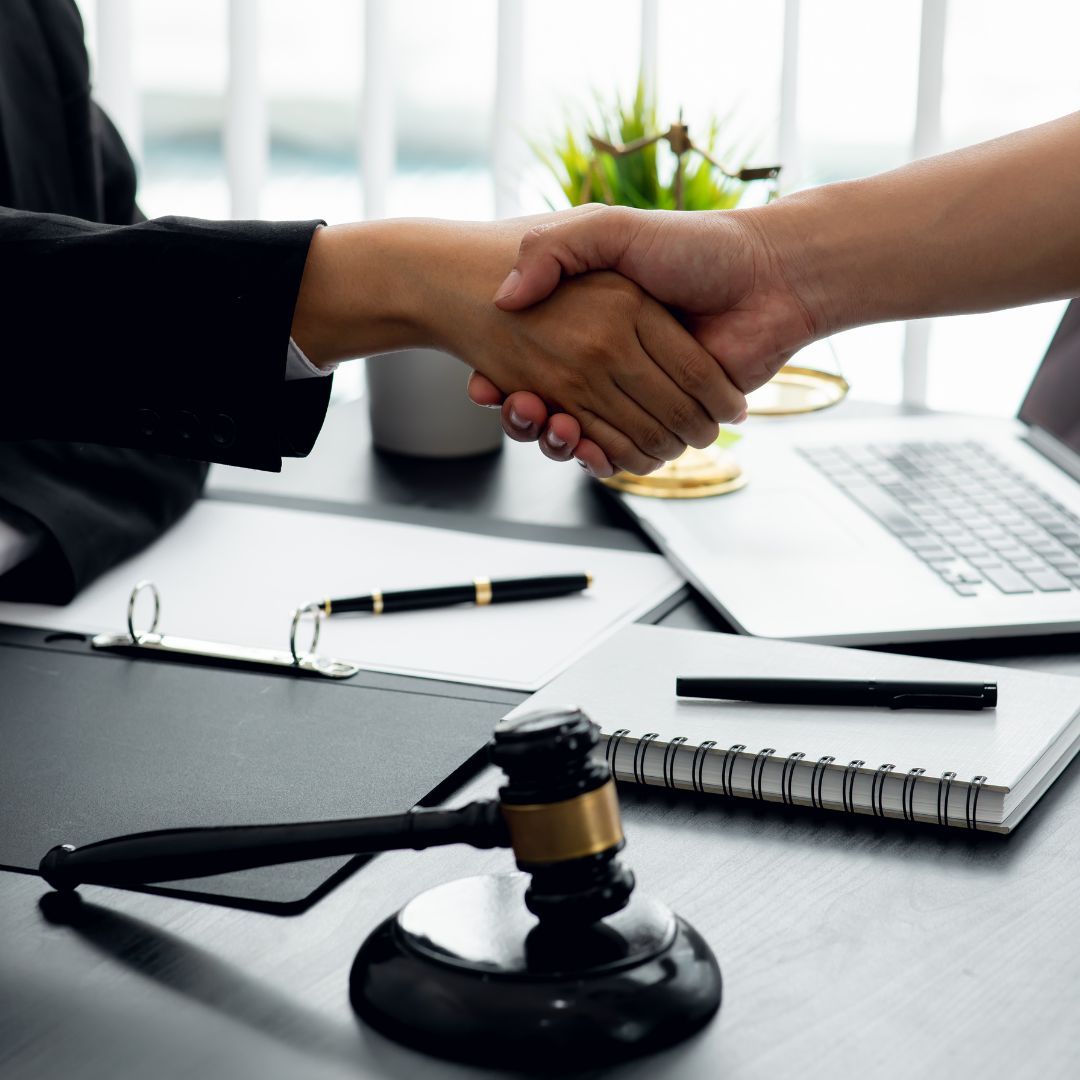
[480,591]
[887,693]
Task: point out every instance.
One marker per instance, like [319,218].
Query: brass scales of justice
[793,389]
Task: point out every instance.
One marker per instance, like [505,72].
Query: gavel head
[562,812]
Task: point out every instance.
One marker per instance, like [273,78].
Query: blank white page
[629,682]
[233,573]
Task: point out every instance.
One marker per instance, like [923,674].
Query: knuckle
[733,405]
[705,435]
[639,463]
[573,387]
[623,454]
[533,236]
[657,442]
[696,375]
[684,415]
[594,349]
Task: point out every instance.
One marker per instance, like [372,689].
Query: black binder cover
[95,745]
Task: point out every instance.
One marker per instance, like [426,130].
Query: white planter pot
[419,407]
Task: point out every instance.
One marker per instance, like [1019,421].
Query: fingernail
[509,285]
[489,404]
[582,465]
[518,421]
[740,418]
[554,441]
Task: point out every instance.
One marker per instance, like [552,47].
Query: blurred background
[346,109]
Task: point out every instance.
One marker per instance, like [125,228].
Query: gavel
[488,969]
[558,811]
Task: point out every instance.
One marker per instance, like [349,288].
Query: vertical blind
[246,135]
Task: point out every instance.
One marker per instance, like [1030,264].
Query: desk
[847,945]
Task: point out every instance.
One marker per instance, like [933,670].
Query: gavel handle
[178,854]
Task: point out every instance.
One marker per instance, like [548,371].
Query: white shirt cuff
[298,366]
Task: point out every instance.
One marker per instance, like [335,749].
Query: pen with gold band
[480,591]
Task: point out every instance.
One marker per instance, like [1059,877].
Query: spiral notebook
[978,770]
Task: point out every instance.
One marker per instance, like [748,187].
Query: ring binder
[139,586]
[877,789]
[788,775]
[848,788]
[817,779]
[317,616]
[149,642]
[639,755]
[697,768]
[908,796]
[669,760]
[758,768]
[943,807]
[727,771]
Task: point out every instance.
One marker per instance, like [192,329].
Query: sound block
[465,971]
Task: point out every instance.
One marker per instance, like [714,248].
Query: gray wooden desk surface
[848,946]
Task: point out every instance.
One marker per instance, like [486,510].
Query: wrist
[802,251]
[362,292]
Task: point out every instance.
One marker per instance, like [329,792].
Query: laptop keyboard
[978,524]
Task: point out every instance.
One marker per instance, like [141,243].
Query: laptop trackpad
[781,523]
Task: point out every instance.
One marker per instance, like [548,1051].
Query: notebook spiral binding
[787,777]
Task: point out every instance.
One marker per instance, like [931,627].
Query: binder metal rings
[697,766]
[877,789]
[943,788]
[138,639]
[153,643]
[788,775]
[727,770]
[757,769]
[974,788]
[848,790]
[908,798]
[640,751]
[316,613]
[670,753]
[817,779]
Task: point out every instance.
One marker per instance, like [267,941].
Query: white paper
[232,572]
[629,682]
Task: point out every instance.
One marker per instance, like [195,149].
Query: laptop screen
[1053,399]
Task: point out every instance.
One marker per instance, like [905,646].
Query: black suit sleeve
[168,335]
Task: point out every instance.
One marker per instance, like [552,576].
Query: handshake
[646,331]
[614,336]
[619,337]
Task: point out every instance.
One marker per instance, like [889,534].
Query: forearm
[381,286]
[991,226]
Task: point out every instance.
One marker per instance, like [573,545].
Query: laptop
[900,529]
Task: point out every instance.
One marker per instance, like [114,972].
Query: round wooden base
[465,972]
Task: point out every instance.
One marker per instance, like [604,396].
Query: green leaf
[644,179]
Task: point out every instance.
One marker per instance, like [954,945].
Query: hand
[615,361]
[718,269]
[600,350]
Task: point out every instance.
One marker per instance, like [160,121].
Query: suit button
[222,430]
[147,422]
[187,425]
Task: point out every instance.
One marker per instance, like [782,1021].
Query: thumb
[595,240]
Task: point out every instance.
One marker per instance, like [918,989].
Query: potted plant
[619,159]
